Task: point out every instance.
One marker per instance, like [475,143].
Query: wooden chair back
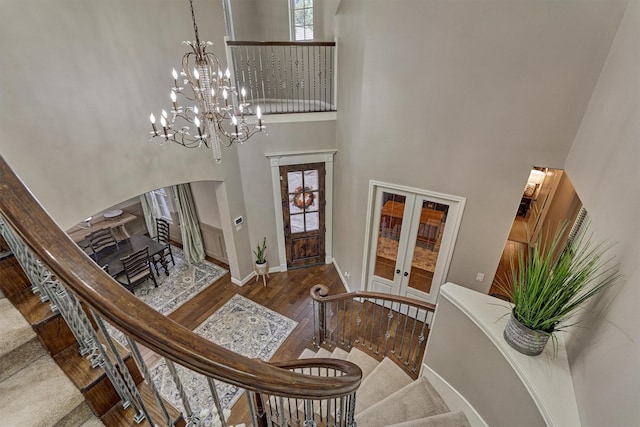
[137,269]
[162,230]
[102,239]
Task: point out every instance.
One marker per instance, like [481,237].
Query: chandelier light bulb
[196,121]
[258,113]
[196,74]
[173,96]
[234,120]
[195,109]
[163,122]
[224,94]
[164,115]
[227,73]
[152,118]
[213,93]
[174,73]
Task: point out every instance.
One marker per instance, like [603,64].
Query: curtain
[189,225]
[151,212]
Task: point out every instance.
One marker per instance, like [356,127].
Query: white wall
[256,173]
[462,98]
[204,194]
[268,20]
[78,82]
[604,166]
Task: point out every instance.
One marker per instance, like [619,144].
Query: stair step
[120,417]
[41,395]
[323,353]
[366,363]
[339,353]
[307,354]
[93,382]
[383,381]
[448,419]
[416,400]
[93,421]
[19,345]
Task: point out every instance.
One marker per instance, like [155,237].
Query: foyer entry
[303,205]
[411,238]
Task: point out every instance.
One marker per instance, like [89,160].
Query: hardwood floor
[286,293]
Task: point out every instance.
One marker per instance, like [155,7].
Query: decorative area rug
[183,283]
[240,325]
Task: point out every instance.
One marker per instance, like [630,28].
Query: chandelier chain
[195,26]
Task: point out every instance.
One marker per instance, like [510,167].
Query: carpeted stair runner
[388,397]
[34,391]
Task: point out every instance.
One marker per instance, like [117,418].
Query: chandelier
[216,116]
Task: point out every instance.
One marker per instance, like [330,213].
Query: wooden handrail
[123,310]
[278,43]
[319,293]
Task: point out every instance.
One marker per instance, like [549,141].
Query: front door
[303,205]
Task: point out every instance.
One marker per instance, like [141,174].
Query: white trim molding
[295,158]
[454,219]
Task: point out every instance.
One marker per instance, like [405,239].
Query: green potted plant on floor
[550,283]
[261,257]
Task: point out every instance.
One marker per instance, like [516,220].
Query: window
[301,17]
[161,204]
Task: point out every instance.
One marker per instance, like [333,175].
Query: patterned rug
[183,283]
[240,325]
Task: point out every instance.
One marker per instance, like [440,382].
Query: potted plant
[261,256]
[550,284]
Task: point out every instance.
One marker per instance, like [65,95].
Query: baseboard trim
[252,275]
[342,278]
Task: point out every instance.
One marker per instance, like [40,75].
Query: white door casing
[411,220]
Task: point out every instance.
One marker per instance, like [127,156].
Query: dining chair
[102,239]
[162,230]
[137,269]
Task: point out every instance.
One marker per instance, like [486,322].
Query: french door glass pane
[433,217]
[391,213]
[312,221]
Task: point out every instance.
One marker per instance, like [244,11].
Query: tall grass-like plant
[551,283]
[261,252]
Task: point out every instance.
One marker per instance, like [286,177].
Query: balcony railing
[285,77]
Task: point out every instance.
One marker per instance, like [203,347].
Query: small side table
[262,270]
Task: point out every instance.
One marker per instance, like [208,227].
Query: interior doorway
[548,200]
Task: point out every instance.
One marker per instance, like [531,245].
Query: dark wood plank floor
[286,293]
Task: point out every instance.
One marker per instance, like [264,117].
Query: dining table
[112,256]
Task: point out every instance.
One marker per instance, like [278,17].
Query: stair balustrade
[382,325]
[88,299]
[285,77]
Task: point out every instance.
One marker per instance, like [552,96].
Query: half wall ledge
[467,350]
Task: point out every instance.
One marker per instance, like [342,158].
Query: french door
[411,241]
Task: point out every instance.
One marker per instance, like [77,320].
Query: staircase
[44,381]
[34,390]
[389,397]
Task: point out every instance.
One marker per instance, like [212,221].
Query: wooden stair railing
[65,273]
[382,325]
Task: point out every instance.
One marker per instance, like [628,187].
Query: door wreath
[303,197]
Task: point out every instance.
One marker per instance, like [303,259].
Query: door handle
[398,271]
[406,274]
